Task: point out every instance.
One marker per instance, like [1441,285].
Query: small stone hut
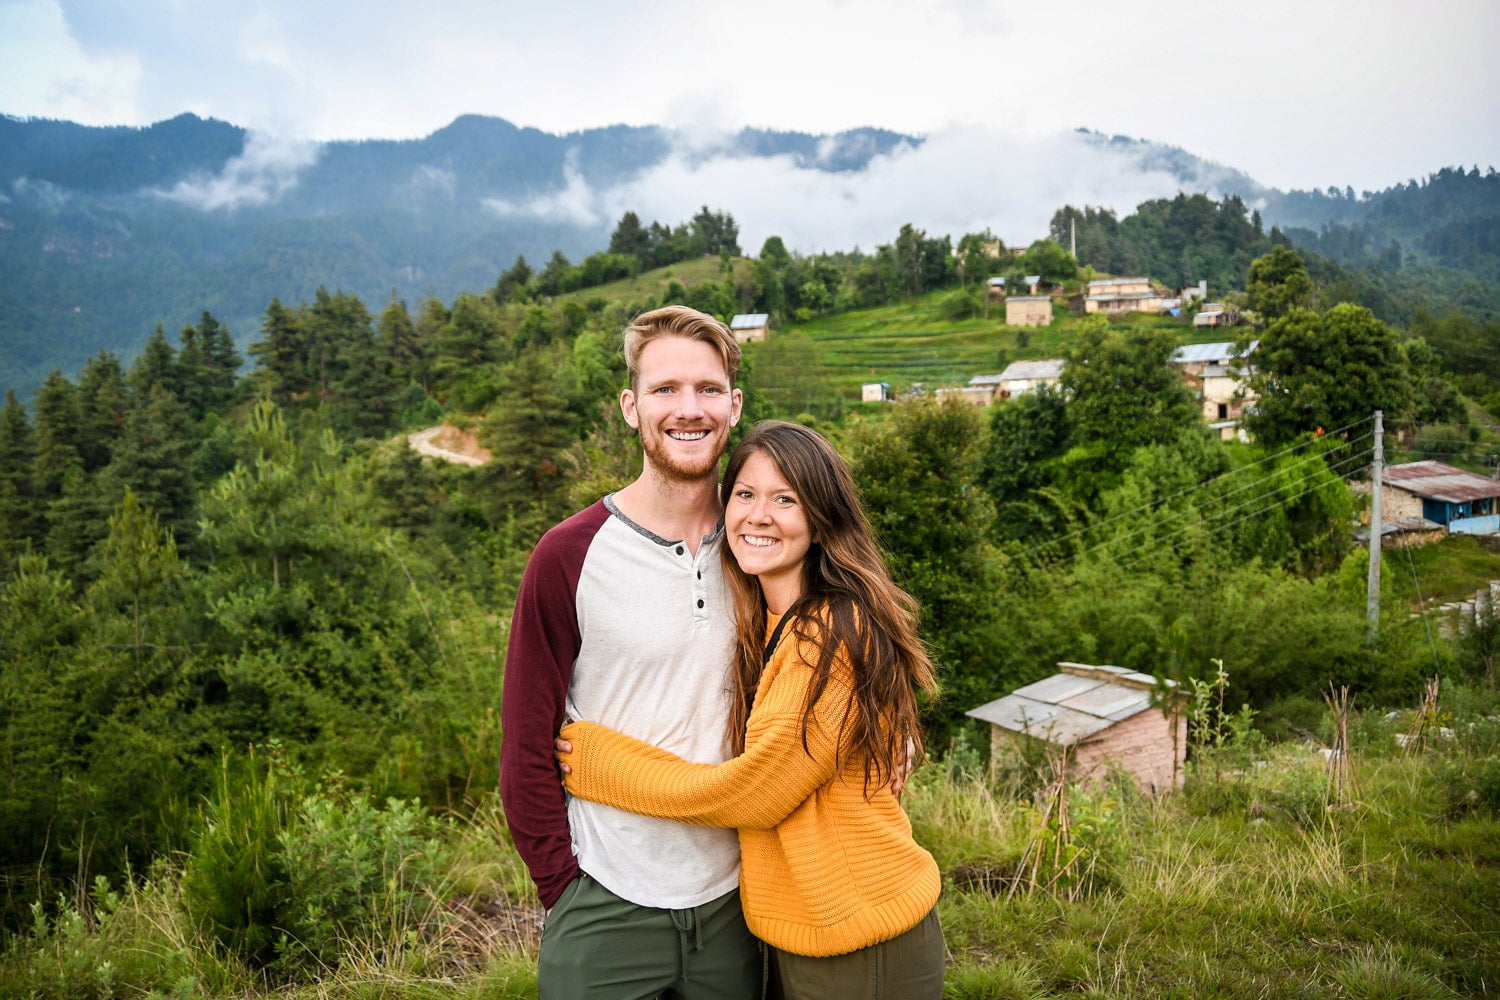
[1104,716]
[750,326]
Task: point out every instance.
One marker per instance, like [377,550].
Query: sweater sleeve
[756,790]
[544,642]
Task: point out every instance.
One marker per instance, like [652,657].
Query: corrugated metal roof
[1220,353]
[748,321]
[1440,481]
[1016,371]
[1070,707]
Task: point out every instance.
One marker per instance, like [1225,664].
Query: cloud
[575,204]
[266,169]
[962,179]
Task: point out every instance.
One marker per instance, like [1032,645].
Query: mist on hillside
[955,182]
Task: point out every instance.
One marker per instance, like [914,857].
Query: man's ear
[739,405]
[627,408]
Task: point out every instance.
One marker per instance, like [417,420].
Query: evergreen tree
[155,365]
[136,564]
[20,521]
[631,239]
[57,434]
[283,367]
[153,459]
[528,430]
[512,283]
[103,402]
[218,375]
[399,345]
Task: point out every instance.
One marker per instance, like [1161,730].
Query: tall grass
[1251,882]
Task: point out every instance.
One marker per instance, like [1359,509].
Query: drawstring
[688,920]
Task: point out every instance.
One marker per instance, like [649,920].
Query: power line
[1158,502]
[1206,514]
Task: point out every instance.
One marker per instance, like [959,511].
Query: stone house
[1122,296]
[875,392]
[750,326]
[1440,495]
[1216,374]
[1028,310]
[1102,715]
[1020,377]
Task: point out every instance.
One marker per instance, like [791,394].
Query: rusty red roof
[1440,481]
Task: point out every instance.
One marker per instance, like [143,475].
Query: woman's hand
[562,747]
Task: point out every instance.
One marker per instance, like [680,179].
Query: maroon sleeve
[544,642]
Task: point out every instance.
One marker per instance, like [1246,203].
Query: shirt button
[700,602]
[679,550]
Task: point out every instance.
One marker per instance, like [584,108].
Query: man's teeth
[688,435]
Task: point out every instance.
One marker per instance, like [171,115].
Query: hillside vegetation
[251,643]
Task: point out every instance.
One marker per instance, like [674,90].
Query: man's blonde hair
[679,321]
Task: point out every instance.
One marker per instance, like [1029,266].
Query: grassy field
[1262,878]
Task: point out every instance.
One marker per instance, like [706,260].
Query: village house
[1028,310]
[1212,314]
[875,392]
[1216,374]
[1102,716]
[977,394]
[1429,495]
[1122,296]
[1021,377]
[995,287]
[750,326]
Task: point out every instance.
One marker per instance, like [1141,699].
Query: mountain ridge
[108,231]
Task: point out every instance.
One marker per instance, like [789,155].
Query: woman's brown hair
[849,603]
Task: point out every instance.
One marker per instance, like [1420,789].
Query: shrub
[282,878]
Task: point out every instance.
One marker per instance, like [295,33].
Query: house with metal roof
[750,326]
[1102,715]
[1119,296]
[1462,502]
[1020,377]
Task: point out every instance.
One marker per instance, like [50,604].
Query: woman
[824,715]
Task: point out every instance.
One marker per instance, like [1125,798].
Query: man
[624,618]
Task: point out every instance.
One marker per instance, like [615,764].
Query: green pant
[597,946]
[907,967]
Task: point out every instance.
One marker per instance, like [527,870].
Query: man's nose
[689,403]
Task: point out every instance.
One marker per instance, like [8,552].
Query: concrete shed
[750,326]
[1103,714]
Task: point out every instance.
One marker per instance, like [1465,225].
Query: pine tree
[103,403]
[221,364]
[20,522]
[153,459]
[57,432]
[282,372]
[155,365]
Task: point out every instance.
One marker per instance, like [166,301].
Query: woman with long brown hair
[825,715]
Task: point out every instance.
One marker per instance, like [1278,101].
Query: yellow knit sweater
[825,871]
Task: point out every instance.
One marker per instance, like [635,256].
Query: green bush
[282,878]
[235,885]
[357,873]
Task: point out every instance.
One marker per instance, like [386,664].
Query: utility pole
[1372,588]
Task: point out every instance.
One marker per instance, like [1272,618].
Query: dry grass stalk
[1343,779]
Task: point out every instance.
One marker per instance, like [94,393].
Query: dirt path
[449,444]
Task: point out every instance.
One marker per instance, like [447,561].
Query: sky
[1295,93]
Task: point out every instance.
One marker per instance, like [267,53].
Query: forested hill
[107,232]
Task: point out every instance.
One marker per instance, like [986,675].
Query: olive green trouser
[597,946]
[907,967]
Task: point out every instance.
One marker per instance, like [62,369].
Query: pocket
[560,908]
